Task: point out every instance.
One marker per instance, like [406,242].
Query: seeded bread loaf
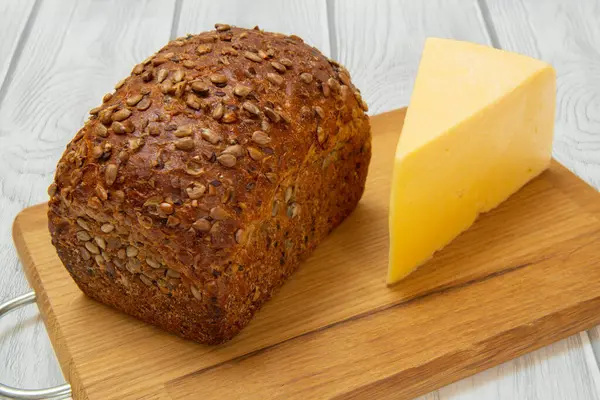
[197,187]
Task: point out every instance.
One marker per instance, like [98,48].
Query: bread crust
[197,187]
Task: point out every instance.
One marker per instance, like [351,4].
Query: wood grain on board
[335,329]
[75,51]
[305,18]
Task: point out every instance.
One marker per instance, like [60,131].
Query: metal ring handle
[61,392]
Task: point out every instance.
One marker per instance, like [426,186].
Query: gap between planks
[591,359]
[176,18]
[16,56]
[333,50]
[488,23]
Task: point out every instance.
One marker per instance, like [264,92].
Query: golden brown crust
[193,191]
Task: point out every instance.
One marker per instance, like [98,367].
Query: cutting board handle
[57,392]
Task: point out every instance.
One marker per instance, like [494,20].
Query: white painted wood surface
[60,56]
[12,31]
[380,42]
[305,18]
[75,52]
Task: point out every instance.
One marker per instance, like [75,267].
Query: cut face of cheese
[479,126]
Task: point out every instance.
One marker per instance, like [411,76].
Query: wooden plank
[339,330]
[12,31]
[565,34]
[380,42]
[305,18]
[75,51]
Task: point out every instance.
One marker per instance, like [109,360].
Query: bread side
[196,188]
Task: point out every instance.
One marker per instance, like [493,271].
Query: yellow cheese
[479,126]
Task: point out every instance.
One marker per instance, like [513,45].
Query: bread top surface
[192,143]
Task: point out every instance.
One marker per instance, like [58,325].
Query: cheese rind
[479,127]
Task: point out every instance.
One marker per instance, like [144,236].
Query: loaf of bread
[199,184]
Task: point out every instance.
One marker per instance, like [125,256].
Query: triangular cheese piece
[479,126]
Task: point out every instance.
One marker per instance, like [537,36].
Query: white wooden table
[58,57]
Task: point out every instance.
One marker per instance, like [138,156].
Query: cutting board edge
[387,388]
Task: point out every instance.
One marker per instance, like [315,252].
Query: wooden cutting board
[525,275]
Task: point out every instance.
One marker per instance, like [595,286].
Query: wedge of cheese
[479,126]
